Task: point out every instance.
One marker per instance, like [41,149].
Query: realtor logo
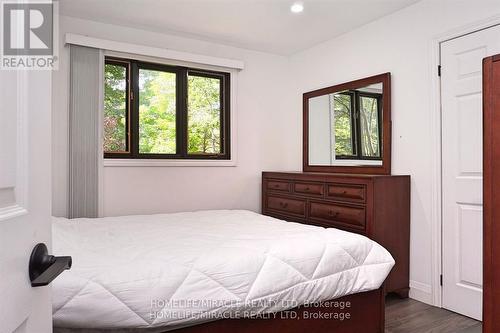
[28,35]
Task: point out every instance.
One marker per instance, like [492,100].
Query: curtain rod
[110,45]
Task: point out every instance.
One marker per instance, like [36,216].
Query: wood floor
[402,316]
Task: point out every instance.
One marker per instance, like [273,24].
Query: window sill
[118,162]
[342,162]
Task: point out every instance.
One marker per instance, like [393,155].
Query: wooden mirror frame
[385,168]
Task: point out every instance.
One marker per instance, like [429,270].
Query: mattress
[174,270]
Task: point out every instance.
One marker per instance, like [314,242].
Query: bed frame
[367,315]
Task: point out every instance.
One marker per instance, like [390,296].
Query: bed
[217,270]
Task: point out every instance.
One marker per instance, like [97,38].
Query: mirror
[347,127]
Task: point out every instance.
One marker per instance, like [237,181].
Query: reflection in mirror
[345,127]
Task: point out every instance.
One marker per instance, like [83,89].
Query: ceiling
[263,25]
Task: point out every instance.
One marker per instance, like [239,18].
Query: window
[160,111]
[116,111]
[357,117]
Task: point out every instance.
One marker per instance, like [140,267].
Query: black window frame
[126,65]
[356,125]
[181,130]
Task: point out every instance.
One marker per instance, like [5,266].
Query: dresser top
[299,174]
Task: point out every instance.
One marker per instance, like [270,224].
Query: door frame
[435,297]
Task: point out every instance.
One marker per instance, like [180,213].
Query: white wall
[320,131]
[262,107]
[400,44]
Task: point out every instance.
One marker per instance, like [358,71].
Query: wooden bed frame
[366,315]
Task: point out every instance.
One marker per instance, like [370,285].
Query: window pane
[342,110]
[115,108]
[369,126]
[204,115]
[157,107]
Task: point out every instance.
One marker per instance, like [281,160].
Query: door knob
[44,268]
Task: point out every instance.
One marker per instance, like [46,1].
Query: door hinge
[439,70]
[441,279]
[132,95]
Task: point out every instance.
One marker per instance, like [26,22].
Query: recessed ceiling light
[297,7]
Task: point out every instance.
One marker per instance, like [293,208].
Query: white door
[25,192]
[462,135]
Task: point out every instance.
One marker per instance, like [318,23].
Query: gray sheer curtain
[84,131]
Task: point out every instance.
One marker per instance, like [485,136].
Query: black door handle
[44,268]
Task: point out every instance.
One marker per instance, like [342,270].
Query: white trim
[342,162]
[467,29]
[436,250]
[436,193]
[152,51]
[100,150]
[118,162]
[10,212]
[20,189]
[421,292]
[168,62]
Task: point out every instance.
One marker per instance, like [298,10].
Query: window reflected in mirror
[369,113]
[343,121]
[345,126]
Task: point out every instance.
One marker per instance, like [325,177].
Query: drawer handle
[344,192]
[307,188]
[284,204]
[276,185]
[332,213]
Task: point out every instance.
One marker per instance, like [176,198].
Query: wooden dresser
[377,206]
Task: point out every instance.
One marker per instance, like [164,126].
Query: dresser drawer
[333,213]
[276,185]
[287,205]
[309,188]
[347,192]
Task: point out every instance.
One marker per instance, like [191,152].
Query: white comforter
[175,269]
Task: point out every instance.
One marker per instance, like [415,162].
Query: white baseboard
[421,292]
